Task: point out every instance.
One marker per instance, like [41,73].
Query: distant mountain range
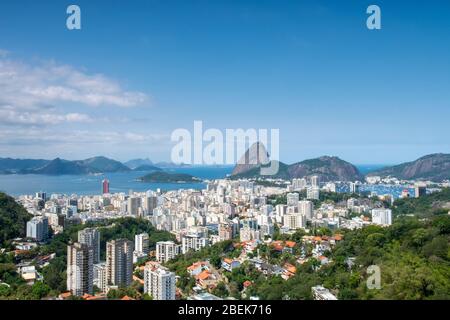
[93,165]
[134,163]
[434,167]
[60,166]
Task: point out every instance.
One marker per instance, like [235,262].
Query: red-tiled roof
[290,244]
[203,275]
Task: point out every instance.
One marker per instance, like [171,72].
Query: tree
[146,296]
[39,290]
[215,260]
[437,247]
[221,290]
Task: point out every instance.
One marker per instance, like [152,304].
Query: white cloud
[39,111]
[9,116]
[24,85]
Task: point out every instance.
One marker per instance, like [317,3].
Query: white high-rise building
[141,243]
[294,221]
[91,237]
[159,283]
[315,181]
[100,276]
[80,259]
[382,216]
[119,262]
[193,242]
[313,193]
[306,208]
[292,199]
[280,209]
[37,228]
[299,184]
[166,250]
[354,187]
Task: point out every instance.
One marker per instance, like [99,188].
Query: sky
[138,70]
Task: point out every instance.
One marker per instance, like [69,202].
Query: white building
[321,293]
[159,283]
[37,228]
[315,181]
[141,243]
[292,199]
[306,208]
[294,221]
[299,184]
[313,193]
[193,242]
[382,216]
[100,276]
[166,250]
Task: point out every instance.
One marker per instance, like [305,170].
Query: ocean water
[366,168]
[16,185]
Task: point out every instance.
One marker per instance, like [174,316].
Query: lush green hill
[9,165]
[165,177]
[103,164]
[434,167]
[13,219]
[326,168]
[60,166]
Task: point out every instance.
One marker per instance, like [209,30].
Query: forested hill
[13,219]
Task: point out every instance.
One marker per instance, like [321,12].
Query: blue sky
[140,69]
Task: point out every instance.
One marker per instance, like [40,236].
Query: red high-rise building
[105,183]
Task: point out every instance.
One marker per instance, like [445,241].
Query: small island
[165,177]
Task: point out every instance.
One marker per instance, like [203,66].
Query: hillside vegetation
[13,219]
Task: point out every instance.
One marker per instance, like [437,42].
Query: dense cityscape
[272,227]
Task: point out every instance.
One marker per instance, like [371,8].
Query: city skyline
[127,79]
